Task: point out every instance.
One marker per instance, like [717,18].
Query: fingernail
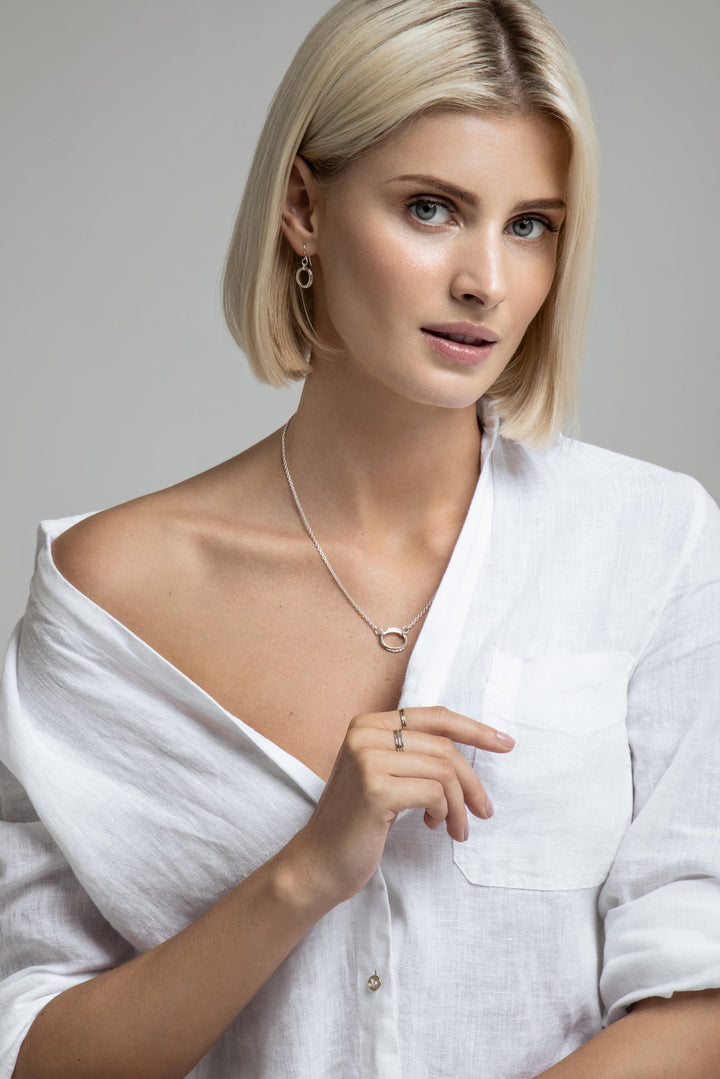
[489,808]
[504,739]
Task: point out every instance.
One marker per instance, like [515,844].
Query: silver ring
[399,744]
[403,721]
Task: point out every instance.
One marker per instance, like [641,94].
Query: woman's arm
[659,1039]
[659,904]
[156,1016]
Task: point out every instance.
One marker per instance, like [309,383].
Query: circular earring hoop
[304,274]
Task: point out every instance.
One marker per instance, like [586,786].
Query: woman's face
[447,230]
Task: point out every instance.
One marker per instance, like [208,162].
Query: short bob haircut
[368,67]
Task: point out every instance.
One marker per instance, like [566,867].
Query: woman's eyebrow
[466,196]
[440,185]
[542,204]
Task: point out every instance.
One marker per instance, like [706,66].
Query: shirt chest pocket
[563,796]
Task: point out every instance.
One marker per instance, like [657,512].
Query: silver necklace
[400,633]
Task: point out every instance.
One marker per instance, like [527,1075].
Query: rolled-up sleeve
[660,904]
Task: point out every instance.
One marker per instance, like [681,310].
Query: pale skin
[218,576]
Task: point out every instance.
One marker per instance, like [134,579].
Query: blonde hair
[368,67]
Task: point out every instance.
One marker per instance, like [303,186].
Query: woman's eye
[429,211]
[529,228]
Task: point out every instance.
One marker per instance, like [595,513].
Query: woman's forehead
[466,146]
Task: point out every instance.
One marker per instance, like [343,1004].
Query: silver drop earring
[304,274]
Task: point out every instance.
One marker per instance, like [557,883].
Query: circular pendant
[393,631]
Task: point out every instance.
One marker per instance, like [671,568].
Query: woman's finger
[441,722]
[474,795]
[431,746]
[427,794]
[411,766]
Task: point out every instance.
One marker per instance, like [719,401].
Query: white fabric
[580,612]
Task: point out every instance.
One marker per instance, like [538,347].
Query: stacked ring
[399,744]
[403,722]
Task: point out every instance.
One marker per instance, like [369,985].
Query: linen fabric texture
[580,613]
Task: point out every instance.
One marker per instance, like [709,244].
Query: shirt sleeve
[51,935]
[661,902]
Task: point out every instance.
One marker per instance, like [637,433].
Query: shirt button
[374,982]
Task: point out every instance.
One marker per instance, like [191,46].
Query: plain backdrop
[127,130]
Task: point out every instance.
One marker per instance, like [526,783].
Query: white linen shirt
[580,613]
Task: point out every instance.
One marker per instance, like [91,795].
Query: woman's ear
[299,219]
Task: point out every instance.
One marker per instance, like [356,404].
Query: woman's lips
[461,342]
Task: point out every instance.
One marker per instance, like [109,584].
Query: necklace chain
[399,632]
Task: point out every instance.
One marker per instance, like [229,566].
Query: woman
[261,715]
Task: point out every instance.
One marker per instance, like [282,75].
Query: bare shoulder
[117,550]
[139,558]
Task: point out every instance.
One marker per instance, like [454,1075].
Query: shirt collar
[490,424]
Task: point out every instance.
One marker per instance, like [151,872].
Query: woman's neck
[374,462]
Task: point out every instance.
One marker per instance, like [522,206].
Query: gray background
[128,129]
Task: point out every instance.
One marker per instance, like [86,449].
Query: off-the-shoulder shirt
[580,612]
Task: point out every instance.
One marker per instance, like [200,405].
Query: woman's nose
[480,275]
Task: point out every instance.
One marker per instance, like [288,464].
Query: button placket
[379,1050]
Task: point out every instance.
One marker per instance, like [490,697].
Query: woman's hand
[371,782]
[156,1016]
